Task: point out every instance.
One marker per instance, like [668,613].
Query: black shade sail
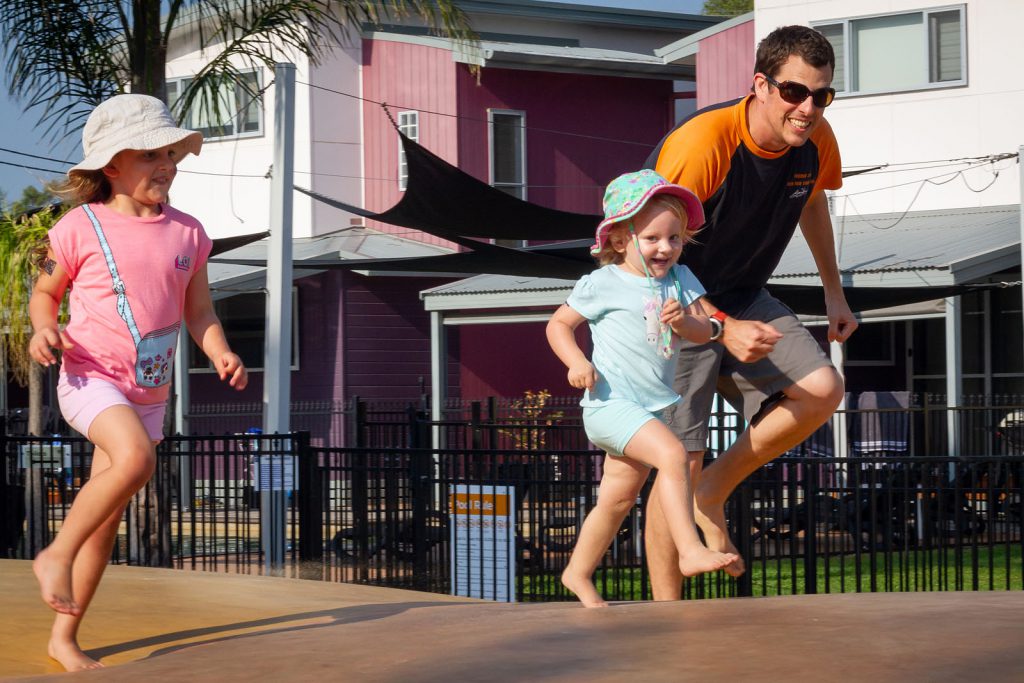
[446,202]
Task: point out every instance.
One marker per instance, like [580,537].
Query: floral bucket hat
[628,194]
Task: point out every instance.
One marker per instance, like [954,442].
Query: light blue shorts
[612,425]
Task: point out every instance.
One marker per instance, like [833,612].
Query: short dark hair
[785,41]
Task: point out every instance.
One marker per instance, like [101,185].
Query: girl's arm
[43,305]
[562,338]
[206,329]
[690,323]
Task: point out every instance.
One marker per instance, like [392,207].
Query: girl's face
[659,233]
[143,178]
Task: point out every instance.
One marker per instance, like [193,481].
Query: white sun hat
[131,122]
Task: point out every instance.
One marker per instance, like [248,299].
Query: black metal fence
[482,518]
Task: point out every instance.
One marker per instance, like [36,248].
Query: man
[759,165]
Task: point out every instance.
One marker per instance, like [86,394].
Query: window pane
[973,331]
[890,53]
[248,103]
[507,147]
[1006,330]
[944,52]
[408,125]
[930,347]
[873,343]
[834,33]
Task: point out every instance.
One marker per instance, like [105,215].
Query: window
[237,111]
[507,131]
[898,52]
[409,126]
[243,317]
[873,344]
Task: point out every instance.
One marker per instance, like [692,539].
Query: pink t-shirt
[156,258]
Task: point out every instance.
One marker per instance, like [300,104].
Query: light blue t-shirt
[626,340]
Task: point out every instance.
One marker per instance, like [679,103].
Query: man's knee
[822,391]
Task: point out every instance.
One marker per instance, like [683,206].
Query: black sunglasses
[796,93]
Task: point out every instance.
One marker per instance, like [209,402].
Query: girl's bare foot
[71,656]
[711,520]
[54,578]
[583,588]
[699,559]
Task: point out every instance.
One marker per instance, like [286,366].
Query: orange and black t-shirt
[752,197]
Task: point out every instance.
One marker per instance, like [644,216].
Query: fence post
[811,530]
[311,526]
[743,499]
[359,422]
[476,417]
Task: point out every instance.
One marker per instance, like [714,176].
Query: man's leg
[806,405]
[662,557]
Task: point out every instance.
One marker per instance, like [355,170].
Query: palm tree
[63,57]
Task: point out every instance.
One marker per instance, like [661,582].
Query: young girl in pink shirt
[135,267]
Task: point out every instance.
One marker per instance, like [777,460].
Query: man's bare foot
[54,578]
[583,588]
[699,559]
[70,656]
[711,520]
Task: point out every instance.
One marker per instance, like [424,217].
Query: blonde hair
[82,187]
[608,254]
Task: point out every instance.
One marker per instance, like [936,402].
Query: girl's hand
[230,365]
[43,341]
[671,313]
[582,375]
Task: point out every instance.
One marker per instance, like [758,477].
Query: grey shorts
[751,388]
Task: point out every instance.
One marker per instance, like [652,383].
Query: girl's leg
[620,483]
[86,572]
[656,446]
[119,433]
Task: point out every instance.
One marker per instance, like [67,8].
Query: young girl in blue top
[637,305]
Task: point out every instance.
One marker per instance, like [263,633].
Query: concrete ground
[168,625]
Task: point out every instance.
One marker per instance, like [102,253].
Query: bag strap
[124,309]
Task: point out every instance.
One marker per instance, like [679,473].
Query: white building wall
[982,118]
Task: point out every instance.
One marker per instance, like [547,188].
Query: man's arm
[816,225]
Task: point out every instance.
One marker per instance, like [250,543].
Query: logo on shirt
[182,262]
[798,193]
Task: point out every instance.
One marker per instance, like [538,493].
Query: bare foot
[54,579]
[583,588]
[71,656]
[699,559]
[711,520]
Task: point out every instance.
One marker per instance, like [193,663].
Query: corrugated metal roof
[352,243]
[946,246]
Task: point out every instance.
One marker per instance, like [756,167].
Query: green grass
[998,568]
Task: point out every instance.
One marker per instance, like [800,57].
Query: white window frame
[409,125]
[848,58]
[177,85]
[522,184]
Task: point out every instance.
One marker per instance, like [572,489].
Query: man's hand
[749,340]
[841,322]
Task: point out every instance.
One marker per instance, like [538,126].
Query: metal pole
[278,349]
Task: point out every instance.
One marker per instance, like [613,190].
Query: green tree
[63,57]
[728,8]
[32,199]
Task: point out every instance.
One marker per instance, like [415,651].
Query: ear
[760,87]
[111,171]
[619,239]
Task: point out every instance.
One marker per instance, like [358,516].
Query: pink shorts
[83,398]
